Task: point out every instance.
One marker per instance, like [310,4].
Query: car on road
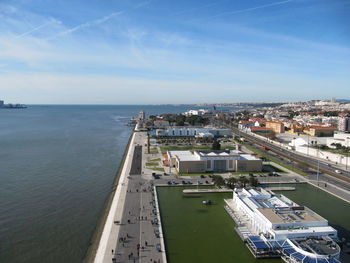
[189,182]
[184,182]
[158,247]
[338,171]
[202,176]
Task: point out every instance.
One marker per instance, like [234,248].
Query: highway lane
[324,167]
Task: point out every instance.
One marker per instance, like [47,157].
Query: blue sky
[184,51]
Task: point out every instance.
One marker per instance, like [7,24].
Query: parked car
[158,247]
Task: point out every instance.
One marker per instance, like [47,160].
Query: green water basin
[195,232]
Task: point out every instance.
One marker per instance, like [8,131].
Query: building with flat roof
[260,130]
[343,124]
[276,126]
[277,225]
[320,131]
[213,161]
[339,138]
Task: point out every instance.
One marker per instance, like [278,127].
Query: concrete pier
[202,191]
[280,188]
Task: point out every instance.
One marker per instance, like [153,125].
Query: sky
[166,51]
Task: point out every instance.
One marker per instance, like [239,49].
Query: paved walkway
[132,232]
[111,229]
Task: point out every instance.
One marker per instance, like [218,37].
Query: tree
[231,182]
[253,181]
[243,181]
[218,180]
[216,146]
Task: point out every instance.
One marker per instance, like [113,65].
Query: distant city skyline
[173,52]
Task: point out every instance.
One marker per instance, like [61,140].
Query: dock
[281,188]
[203,191]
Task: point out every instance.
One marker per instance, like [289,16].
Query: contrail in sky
[53,21]
[96,21]
[86,24]
[249,9]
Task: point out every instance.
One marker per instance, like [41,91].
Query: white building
[278,224]
[199,112]
[213,161]
[296,142]
[344,124]
[339,138]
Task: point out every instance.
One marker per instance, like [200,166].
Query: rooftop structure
[278,226]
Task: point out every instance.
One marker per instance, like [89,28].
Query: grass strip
[152,164]
[289,167]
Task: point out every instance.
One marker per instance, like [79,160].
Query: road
[311,162]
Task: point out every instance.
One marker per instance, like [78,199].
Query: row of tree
[181,120]
[233,182]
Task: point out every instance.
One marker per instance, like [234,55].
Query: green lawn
[152,164]
[155,160]
[154,150]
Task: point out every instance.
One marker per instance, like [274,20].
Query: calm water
[198,233]
[57,164]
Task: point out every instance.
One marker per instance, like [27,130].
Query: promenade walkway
[132,232]
[111,229]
